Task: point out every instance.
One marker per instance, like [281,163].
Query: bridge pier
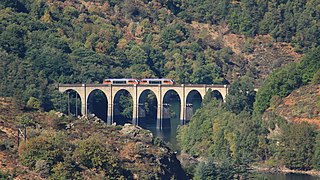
[83,97]
[110,114]
[159,116]
[183,100]
[135,115]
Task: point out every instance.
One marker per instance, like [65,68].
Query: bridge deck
[143,85]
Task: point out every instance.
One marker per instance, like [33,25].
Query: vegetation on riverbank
[239,134]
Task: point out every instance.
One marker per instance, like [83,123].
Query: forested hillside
[276,129]
[271,43]
[46,42]
[295,21]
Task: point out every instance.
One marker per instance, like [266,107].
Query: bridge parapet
[144,85]
[70,85]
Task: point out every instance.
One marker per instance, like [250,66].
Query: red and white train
[137,81]
[121,81]
[157,81]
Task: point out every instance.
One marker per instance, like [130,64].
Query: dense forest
[46,42]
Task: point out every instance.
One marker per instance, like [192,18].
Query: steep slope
[9,163]
[133,152]
[302,105]
[258,55]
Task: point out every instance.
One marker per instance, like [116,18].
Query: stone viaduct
[184,92]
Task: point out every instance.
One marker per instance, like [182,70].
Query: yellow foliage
[46,17]
[122,43]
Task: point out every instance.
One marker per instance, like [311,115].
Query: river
[168,135]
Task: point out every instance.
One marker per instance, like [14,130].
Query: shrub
[43,168]
[316,78]
[25,120]
[64,170]
[6,145]
[297,142]
[48,146]
[34,103]
[275,101]
[3,176]
[205,171]
[93,153]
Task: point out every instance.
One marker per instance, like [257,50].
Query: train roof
[157,79]
[119,79]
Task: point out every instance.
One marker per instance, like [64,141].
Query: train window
[154,82]
[119,82]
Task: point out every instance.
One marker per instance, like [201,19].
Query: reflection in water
[168,134]
[170,125]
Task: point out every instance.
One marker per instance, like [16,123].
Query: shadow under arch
[170,117]
[70,103]
[171,109]
[122,107]
[217,95]
[97,104]
[147,110]
[193,102]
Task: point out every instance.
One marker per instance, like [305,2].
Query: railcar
[121,81]
[157,81]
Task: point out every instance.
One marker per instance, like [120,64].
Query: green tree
[205,170]
[12,39]
[241,96]
[297,142]
[316,78]
[89,66]
[316,157]
[281,83]
[48,149]
[174,32]
[310,64]
[94,153]
[33,103]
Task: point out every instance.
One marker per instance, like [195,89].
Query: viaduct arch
[136,91]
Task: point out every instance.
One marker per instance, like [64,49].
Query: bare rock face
[129,129]
[136,132]
[143,150]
